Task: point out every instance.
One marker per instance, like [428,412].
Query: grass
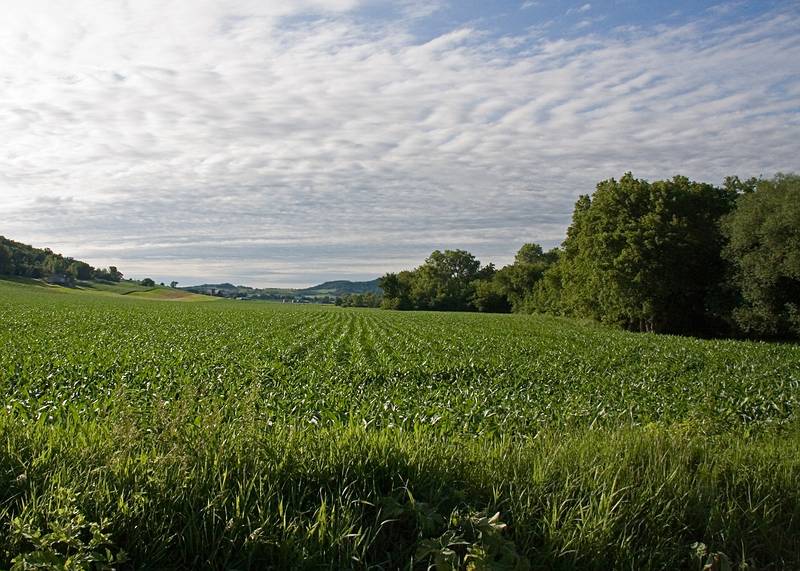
[247,435]
[134,289]
[128,288]
[167,294]
[120,288]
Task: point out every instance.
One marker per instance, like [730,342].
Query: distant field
[128,288]
[253,435]
[170,295]
[135,290]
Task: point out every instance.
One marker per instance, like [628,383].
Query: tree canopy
[18,259]
[764,252]
[646,256]
[454,280]
[443,282]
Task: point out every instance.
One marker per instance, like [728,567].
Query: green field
[236,435]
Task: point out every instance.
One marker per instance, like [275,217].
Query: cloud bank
[281,143]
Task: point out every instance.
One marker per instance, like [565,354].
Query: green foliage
[368,299]
[445,282]
[80,271]
[112,274]
[69,543]
[397,290]
[518,280]
[547,294]
[454,280]
[646,256]
[17,259]
[489,296]
[764,251]
[474,542]
[6,259]
[148,282]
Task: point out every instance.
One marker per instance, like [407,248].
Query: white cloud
[300,139]
[580,9]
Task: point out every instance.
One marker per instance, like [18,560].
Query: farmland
[142,433]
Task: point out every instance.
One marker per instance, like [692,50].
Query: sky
[289,142]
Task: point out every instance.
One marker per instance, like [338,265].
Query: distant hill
[332,289]
[230,290]
[342,287]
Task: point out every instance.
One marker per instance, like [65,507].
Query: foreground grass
[224,494]
[139,434]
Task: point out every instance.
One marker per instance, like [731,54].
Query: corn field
[234,435]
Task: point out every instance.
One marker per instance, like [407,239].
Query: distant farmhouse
[60,279]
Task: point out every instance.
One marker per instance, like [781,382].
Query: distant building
[60,279]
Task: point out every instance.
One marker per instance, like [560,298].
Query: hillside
[25,265]
[23,260]
[342,287]
[101,289]
[331,289]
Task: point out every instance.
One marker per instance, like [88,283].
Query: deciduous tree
[646,255]
[764,252]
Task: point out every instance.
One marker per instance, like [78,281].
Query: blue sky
[290,142]
[569,18]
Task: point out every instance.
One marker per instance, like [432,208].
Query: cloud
[416,9]
[289,142]
[580,9]
[725,7]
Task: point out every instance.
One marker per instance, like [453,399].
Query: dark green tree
[54,264]
[547,293]
[764,252]
[79,270]
[21,259]
[445,280]
[489,297]
[517,280]
[366,299]
[646,256]
[6,260]
[397,290]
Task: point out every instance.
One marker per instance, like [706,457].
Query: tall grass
[242,495]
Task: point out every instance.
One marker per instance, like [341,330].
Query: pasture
[147,434]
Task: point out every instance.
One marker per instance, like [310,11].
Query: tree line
[367,299]
[670,256]
[17,259]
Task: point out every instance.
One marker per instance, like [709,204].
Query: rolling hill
[337,288]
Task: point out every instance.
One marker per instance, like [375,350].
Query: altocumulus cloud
[289,142]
